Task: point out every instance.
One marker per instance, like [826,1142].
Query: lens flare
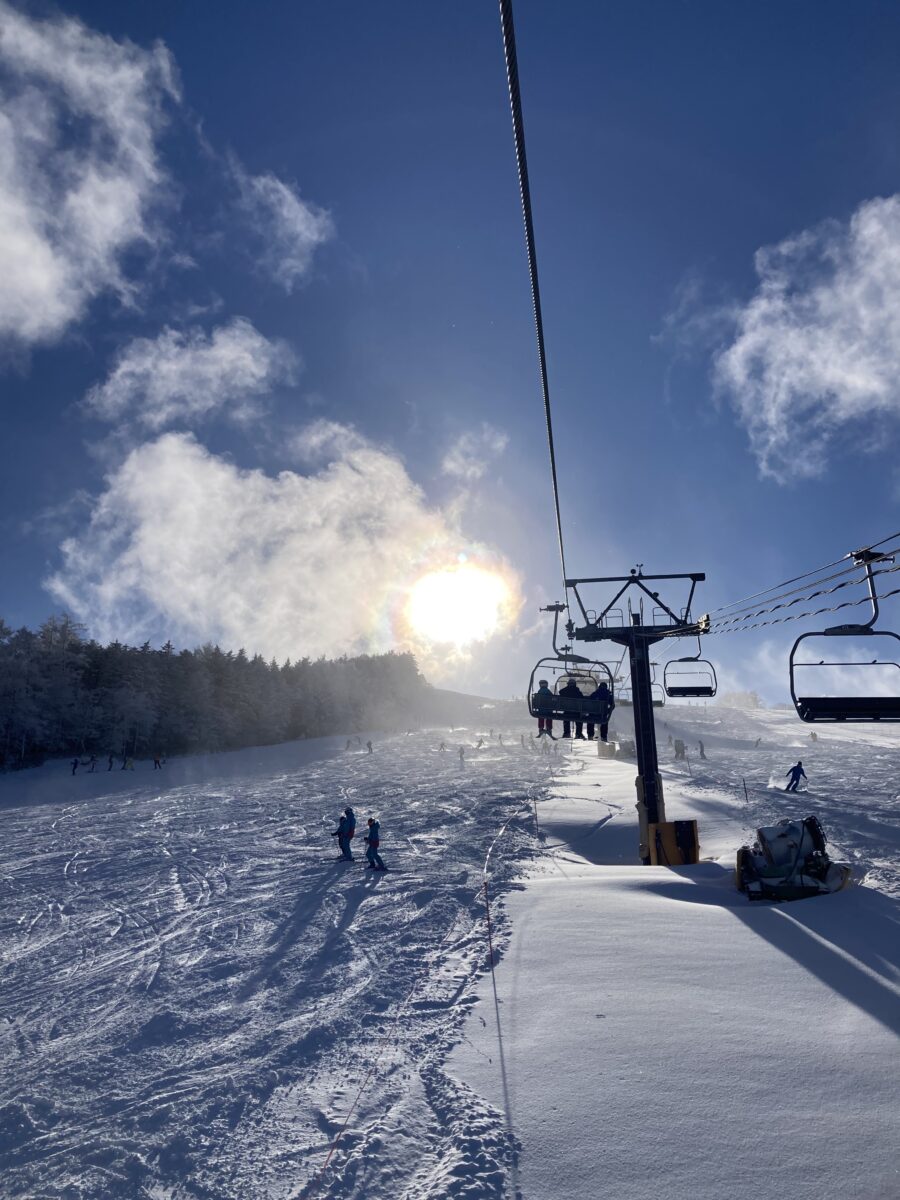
[458,605]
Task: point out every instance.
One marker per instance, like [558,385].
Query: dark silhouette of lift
[871,707]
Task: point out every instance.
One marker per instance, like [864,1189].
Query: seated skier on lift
[572,691]
[545,724]
[605,703]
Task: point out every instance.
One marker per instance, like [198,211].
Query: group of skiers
[127,763]
[346,831]
[604,705]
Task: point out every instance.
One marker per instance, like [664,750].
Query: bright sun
[458,604]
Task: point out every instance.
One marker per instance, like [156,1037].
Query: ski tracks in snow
[193,995]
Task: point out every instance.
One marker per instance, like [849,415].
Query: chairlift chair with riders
[870,707]
[690,678]
[587,674]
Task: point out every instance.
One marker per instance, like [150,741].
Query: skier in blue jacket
[373,838]
[796,773]
[342,833]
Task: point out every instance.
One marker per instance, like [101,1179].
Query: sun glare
[459,604]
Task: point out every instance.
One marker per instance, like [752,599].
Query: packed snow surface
[200,1001]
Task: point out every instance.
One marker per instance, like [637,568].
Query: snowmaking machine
[789,861]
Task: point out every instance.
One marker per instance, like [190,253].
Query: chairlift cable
[805,575]
[730,624]
[515,102]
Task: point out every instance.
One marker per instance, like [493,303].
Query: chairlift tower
[631,630]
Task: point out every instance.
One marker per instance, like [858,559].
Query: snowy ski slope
[196,995]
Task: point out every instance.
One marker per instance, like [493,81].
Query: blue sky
[267,348]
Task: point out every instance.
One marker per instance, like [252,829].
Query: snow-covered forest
[61,693]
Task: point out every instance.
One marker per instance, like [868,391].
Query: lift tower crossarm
[638,638]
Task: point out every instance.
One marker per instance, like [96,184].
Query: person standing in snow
[462,756]
[157,765]
[110,762]
[796,773]
[373,837]
[74,765]
[342,835]
[702,750]
[351,824]
[369,747]
[442,746]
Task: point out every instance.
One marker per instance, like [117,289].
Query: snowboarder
[702,749]
[342,833]
[373,838]
[75,763]
[545,724]
[796,773]
[369,747]
[606,706]
[572,691]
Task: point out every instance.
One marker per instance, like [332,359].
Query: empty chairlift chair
[690,679]
[857,687]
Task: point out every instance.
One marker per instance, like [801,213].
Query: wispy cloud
[184,543]
[181,377]
[816,350]
[473,452]
[79,169]
[288,229]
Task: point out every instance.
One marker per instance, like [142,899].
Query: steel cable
[515,102]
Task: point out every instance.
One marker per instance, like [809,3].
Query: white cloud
[817,348]
[289,229]
[185,544]
[472,453]
[184,376]
[78,166]
[324,441]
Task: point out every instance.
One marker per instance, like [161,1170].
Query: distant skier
[462,756]
[670,739]
[349,744]
[93,764]
[157,765]
[129,764]
[756,743]
[75,765]
[500,738]
[796,773]
[373,838]
[702,750]
[442,746]
[522,740]
[605,704]
[479,743]
[545,724]
[369,747]
[813,736]
[110,762]
[351,824]
[679,749]
[342,833]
